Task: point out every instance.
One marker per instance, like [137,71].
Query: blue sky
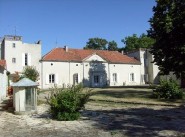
[73,22]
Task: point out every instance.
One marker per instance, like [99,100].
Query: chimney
[66,48]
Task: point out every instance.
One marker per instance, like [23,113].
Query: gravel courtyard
[99,119]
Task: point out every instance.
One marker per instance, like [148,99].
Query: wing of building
[93,68]
[3,79]
[18,55]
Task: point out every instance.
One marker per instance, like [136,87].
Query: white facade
[18,54]
[3,83]
[149,71]
[93,71]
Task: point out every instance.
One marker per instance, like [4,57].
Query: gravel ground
[98,120]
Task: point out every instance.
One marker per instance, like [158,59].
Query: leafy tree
[31,73]
[168,29]
[112,46]
[96,43]
[135,42]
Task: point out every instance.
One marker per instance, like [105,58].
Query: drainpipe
[109,73]
[41,75]
[83,74]
[69,72]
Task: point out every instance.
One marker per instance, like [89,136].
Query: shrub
[31,73]
[66,103]
[168,90]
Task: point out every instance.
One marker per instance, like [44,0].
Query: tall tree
[112,46]
[168,29]
[96,43]
[135,42]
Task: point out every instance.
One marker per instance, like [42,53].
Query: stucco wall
[153,70]
[124,71]
[64,72]
[140,55]
[3,83]
[33,50]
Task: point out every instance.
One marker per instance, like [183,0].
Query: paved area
[98,120]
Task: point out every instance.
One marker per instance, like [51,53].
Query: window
[52,78]
[13,60]
[114,76]
[26,59]
[75,79]
[13,45]
[131,76]
[96,78]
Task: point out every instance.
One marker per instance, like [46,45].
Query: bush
[168,90]
[66,103]
[31,73]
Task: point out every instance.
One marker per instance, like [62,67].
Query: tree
[112,46]
[31,73]
[96,43]
[135,42]
[168,29]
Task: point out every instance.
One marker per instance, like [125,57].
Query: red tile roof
[59,54]
[3,63]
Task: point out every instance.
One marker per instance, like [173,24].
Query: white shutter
[118,78]
[23,59]
[29,59]
[56,78]
[47,78]
[79,78]
[129,77]
[111,77]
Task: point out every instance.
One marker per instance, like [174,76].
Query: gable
[94,57]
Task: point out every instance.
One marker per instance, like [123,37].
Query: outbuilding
[25,96]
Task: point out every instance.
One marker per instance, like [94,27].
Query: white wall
[153,70]
[64,72]
[123,71]
[19,99]
[33,50]
[140,55]
[3,83]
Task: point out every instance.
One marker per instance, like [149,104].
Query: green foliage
[168,90]
[112,46]
[96,43]
[66,103]
[168,29]
[135,42]
[31,73]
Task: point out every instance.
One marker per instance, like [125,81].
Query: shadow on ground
[140,121]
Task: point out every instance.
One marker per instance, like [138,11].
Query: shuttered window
[52,78]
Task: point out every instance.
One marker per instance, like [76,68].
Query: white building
[18,54]
[93,68]
[3,79]
[149,71]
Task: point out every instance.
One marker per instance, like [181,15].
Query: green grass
[132,95]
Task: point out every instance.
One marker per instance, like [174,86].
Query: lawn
[130,95]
